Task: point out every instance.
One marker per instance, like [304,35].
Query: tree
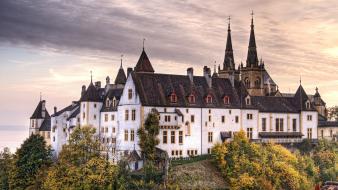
[247,165]
[29,159]
[80,164]
[5,167]
[148,136]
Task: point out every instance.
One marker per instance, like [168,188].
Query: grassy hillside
[196,175]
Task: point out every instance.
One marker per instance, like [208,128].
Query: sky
[50,46]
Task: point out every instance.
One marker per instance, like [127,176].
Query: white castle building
[195,111]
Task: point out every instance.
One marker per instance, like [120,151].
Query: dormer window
[173,98]
[226,100]
[191,99]
[248,100]
[114,102]
[209,99]
[247,82]
[307,104]
[107,102]
[130,94]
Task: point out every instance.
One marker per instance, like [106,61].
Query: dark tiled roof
[115,92]
[280,134]
[120,77]
[68,108]
[225,135]
[162,85]
[328,124]
[143,64]
[38,111]
[75,113]
[92,94]
[273,104]
[299,100]
[45,126]
[134,156]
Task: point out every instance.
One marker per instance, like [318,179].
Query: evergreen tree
[5,167]
[32,156]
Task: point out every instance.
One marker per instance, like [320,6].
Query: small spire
[229,19]
[300,80]
[252,14]
[143,43]
[40,96]
[121,61]
[316,89]
[91,76]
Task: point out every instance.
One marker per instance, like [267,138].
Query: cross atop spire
[91,76]
[143,43]
[121,61]
[229,19]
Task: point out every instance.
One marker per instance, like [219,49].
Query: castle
[195,112]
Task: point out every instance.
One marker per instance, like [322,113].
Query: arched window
[248,100]
[226,100]
[173,98]
[257,82]
[191,99]
[308,104]
[114,102]
[208,99]
[247,82]
[107,102]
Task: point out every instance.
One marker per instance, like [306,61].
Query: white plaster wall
[313,124]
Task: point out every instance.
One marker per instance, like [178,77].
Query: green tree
[29,159]
[148,136]
[5,168]
[80,164]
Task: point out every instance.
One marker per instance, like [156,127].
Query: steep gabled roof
[37,114]
[46,124]
[143,64]
[115,92]
[121,76]
[229,61]
[92,94]
[299,100]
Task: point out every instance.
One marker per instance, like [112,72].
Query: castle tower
[252,75]
[319,104]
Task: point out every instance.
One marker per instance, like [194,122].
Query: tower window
[130,94]
[210,137]
[258,82]
[192,118]
[172,139]
[309,117]
[247,82]
[107,102]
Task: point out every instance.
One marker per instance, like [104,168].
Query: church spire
[229,55]
[252,58]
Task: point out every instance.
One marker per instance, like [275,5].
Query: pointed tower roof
[92,93]
[229,55]
[37,114]
[143,64]
[121,76]
[252,58]
[300,99]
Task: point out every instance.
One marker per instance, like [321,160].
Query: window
[112,117]
[187,110]
[249,116]
[209,151]
[106,130]
[132,135]
[180,137]
[226,100]
[209,99]
[210,137]
[309,133]
[230,112]
[279,124]
[331,133]
[257,82]
[106,117]
[133,115]
[188,128]
[263,124]
[236,119]
[102,129]
[173,98]
[83,115]
[53,138]
[53,130]
[125,135]
[209,118]
[113,129]
[192,118]
[249,133]
[165,137]
[94,116]
[114,102]
[223,119]
[176,152]
[94,105]
[191,99]
[107,102]
[130,94]
[126,115]
[308,105]
[294,125]
[309,117]
[83,105]
[322,133]
[195,152]
[209,111]
[247,101]
[165,109]
[172,139]
[180,152]
[167,118]
[247,82]
[173,153]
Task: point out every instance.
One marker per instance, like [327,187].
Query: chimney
[207,75]
[55,109]
[129,70]
[98,84]
[83,90]
[107,80]
[190,73]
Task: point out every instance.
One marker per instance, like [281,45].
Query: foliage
[29,159]
[5,168]
[80,164]
[248,165]
[148,136]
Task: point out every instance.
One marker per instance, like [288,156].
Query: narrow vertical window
[309,133]
[192,118]
[249,133]
[263,124]
[126,115]
[130,94]
[126,135]
[172,139]
[210,137]
[132,135]
[294,125]
[165,137]
[223,119]
[180,137]
[133,115]
[105,117]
